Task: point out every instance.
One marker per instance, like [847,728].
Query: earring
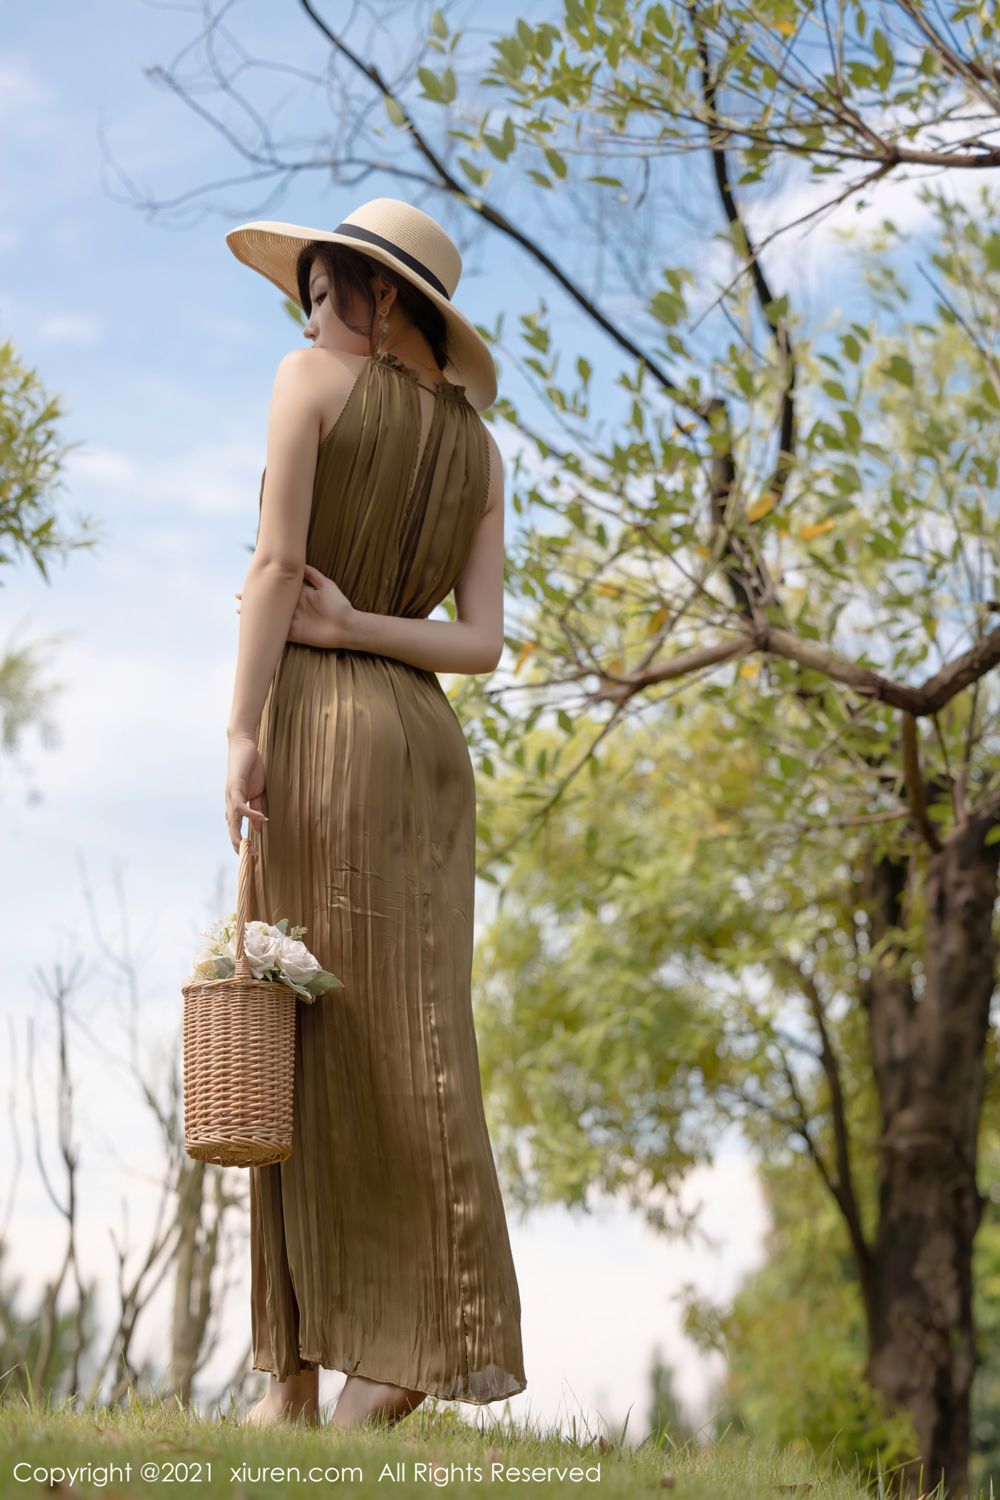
[381,332]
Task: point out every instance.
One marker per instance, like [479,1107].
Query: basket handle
[248,853]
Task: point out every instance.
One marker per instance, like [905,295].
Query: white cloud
[213,478]
[229,329]
[21,89]
[811,259]
[896,198]
[70,328]
[206,479]
[218,478]
[102,466]
[136,717]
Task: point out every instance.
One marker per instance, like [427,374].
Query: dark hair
[351,272]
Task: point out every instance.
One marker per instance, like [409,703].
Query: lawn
[159,1449]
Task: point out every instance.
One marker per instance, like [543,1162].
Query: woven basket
[239,1056]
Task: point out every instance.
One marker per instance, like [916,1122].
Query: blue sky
[162,348]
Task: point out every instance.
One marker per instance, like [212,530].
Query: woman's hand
[324,616]
[246,787]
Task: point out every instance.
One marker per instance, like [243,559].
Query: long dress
[380,1246]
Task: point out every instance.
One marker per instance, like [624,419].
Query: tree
[31,461]
[60,1350]
[794,1337]
[805,513]
[665,1419]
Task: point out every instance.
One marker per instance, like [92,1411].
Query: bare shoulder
[319,366]
[295,383]
[297,364]
[318,381]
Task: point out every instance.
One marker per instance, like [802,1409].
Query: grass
[205,1457]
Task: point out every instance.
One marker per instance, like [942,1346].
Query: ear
[385,292]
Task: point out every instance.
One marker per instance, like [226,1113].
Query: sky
[162,348]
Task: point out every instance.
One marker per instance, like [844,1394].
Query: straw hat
[400,236]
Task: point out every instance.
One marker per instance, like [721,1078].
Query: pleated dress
[380,1246]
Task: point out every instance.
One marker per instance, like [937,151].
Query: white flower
[220,931]
[261,945]
[297,964]
[272,953]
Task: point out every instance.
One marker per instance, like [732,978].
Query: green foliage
[32,1359]
[31,461]
[31,464]
[887,517]
[732,559]
[440,87]
[633,986]
[661,918]
[665,1421]
[795,1337]
[789,80]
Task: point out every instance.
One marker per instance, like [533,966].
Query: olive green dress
[380,1247]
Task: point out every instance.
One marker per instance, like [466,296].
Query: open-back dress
[380,1246]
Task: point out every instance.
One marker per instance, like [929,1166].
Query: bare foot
[263,1414]
[363,1400]
[287,1399]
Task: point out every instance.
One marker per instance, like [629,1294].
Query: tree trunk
[197,1250]
[928,1056]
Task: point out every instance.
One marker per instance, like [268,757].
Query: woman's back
[402,480]
[380,1247]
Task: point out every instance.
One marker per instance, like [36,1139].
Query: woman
[380,1247]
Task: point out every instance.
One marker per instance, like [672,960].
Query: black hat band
[356,232]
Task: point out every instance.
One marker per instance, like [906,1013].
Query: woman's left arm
[274,577]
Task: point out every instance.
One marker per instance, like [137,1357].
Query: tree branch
[765,296]
[843,1187]
[493,216]
[918,701]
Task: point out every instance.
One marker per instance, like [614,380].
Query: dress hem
[322,1363]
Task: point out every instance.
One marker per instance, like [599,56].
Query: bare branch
[843,1186]
[491,215]
[765,297]
[919,701]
